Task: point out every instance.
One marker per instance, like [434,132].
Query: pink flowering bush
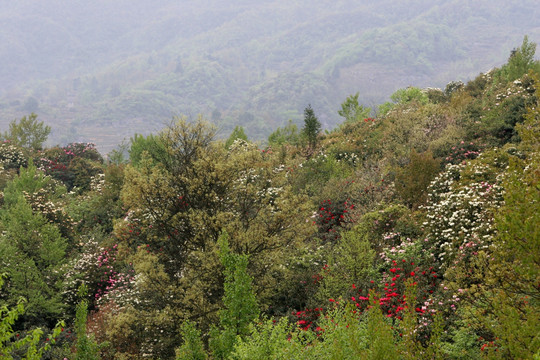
[99,269]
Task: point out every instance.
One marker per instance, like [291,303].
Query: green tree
[31,251]
[285,135]
[350,262]
[11,343]
[193,347]
[150,144]
[511,289]
[520,61]
[237,133]
[413,180]
[176,211]
[312,127]
[86,346]
[28,132]
[240,305]
[404,96]
[352,111]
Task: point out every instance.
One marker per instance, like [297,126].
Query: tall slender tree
[312,126]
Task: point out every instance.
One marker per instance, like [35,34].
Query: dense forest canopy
[100,71]
[412,234]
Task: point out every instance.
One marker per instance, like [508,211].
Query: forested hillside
[409,235]
[100,71]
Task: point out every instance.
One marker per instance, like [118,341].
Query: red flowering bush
[331,216]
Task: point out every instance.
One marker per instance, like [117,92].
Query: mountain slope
[94,68]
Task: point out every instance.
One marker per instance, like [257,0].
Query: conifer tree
[312,126]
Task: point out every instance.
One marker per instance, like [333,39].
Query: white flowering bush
[97,268]
[11,156]
[350,158]
[241,145]
[459,213]
[53,211]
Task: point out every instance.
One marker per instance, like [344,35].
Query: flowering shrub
[331,216]
[460,216]
[97,268]
[462,152]
[53,212]
[73,164]
[405,264]
[11,156]
[350,158]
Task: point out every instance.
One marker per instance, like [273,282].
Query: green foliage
[343,333]
[410,95]
[151,144]
[350,262]
[268,340]
[521,61]
[463,344]
[286,135]
[237,133]
[352,111]
[412,180]
[101,204]
[29,346]
[73,164]
[193,347]
[318,171]
[419,127]
[28,132]
[32,250]
[511,288]
[380,224]
[29,180]
[86,346]
[312,127]
[509,108]
[240,305]
[409,344]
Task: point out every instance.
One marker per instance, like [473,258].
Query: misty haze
[101,71]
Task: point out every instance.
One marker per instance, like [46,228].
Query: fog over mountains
[101,70]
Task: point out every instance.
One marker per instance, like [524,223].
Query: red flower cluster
[331,216]
[305,319]
[393,301]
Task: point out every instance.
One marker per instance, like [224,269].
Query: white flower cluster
[279,169]
[404,249]
[270,194]
[460,214]
[350,158]
[97,183]
[247,177]
[516,88]
[11,157]
[241,145]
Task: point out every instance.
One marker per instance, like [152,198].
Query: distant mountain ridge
[100,71]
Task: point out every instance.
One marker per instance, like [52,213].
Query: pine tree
[312,126]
